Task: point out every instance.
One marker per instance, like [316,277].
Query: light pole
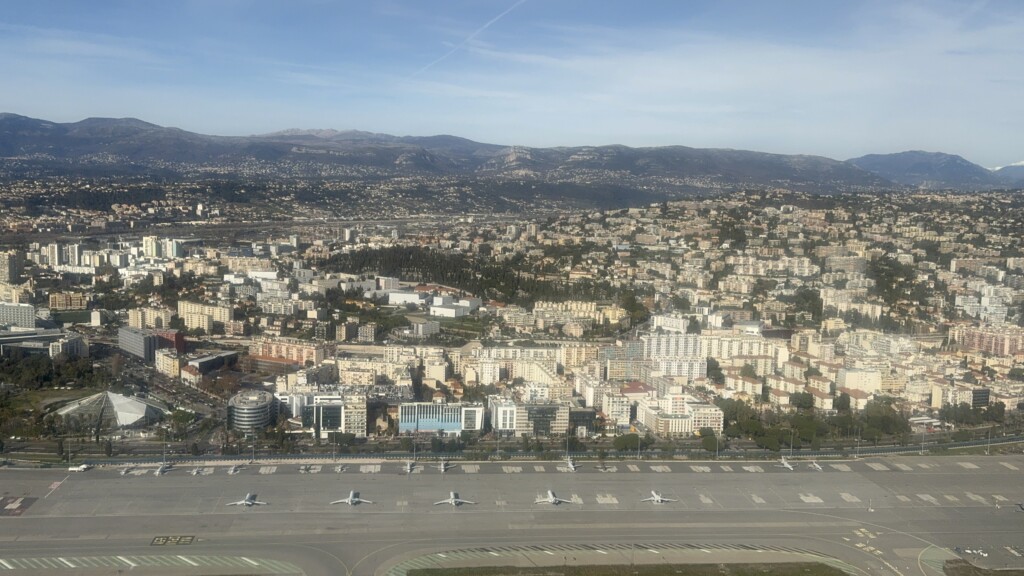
[791,432]
[716,446]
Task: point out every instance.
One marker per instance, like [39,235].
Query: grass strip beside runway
[781,569]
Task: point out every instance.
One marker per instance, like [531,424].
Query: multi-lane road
[901,515]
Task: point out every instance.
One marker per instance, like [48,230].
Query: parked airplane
[551,499]
[196,471]
[163,469]
[235,469]
[816,466]
[657,498]
[340,469]
[127,469]
[571,464]
[80,468]
[352,500]
[410,466]
[783,463]
[443,466]
[454,500]
[305,469]
[602,467]
[249,500]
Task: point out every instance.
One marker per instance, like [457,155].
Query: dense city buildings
[657,319]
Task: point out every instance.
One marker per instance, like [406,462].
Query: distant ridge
[931,170]
[130,144]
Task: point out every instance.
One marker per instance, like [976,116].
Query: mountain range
[29,145]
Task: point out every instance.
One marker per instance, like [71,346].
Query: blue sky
[838,79]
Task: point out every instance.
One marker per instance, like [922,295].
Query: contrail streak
[467,39]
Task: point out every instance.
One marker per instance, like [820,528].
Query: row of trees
[772,431]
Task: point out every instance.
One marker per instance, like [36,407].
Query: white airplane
[410,466]
[443,466]
[783,463]
[571,464]
[352,500]
[195,471]
[602,467]
[816,466]
[80,468]
[235,469]
[340,469]
[249,500]
[127,469]
[163,469]
[454,500]
[551,499]
[305,469]
[657,498]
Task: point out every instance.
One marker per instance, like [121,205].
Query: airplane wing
[239,503]
[651,499]
[342,501]
[540,501]
[360,500]
[443,502]
[258,503]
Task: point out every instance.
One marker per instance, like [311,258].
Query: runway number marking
[968,465]
[810,498]
[1010,466]
[849,497]
[172,540]
[607,499]
[928,498]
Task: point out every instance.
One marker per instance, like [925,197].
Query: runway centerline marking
[1010,466]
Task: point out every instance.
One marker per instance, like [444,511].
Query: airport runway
[900,515]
